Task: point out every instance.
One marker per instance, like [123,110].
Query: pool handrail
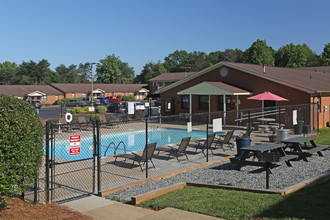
[115,147]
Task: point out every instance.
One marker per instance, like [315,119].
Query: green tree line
[112,70]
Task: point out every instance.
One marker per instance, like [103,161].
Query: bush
[70,110]
[131,97]
[119,96]
[101,109]
[125,98]
[138,115]
[94,118]
[78,108]
[81,111]
[48,104]
[124,118]
[111,118]
[86,109]
[21,147]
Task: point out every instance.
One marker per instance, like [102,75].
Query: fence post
[98,156]
[146,147]
[47,163]
[94,154]
[207,138]
[35,189]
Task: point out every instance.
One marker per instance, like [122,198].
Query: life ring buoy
[68,117]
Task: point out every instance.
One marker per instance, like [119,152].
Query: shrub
[81,111]
[131,97]
[48,104]
[138,115]
[94,118]
[125,98]
[124,118]
[21,147]
[78,108]
[111,118]
[86,109]
[70,110]
[101,109]
[119,96]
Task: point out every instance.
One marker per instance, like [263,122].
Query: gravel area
[248,177]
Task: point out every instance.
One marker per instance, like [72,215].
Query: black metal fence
[91,157]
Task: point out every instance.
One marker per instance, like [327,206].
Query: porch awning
[213,88]
[36,94]
[98,91]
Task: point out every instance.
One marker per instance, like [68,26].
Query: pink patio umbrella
[268,96]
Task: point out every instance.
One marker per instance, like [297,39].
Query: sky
[141,31]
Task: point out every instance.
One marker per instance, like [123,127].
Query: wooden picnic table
[298,146]
[256,150]
[267,120]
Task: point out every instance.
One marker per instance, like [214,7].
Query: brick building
[228,85]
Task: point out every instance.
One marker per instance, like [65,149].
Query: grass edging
[307,183]
[166,175]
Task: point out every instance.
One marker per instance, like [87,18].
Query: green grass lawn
[312,203]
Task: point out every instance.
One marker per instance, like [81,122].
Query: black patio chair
[206,143]
[139,158]
[225,140]
[179,149]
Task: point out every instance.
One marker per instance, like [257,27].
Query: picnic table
[298,146]
[266,124]
[257,151]
[267,120]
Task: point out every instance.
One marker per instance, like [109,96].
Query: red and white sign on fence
[75,145]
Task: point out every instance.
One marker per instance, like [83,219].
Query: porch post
[224,110]
[190,107]
[209,108]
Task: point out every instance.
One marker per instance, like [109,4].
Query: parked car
[158,103]
[103,100]
[139,106]
[75,102]
[36,104]
[117,107]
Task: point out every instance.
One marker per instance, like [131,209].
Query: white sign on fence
[75,145]
[217,125]
[294,117]
[131,108]
[189,127]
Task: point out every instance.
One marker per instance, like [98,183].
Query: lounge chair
[180,149]
[63,125]
[139,158]
[248,132]
[225,140]
[206,143]
[81,124]
[104,121]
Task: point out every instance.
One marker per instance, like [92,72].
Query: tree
[326,55]
[33,73]
[150,70]
[112,70]
[259,53]
[68,74]
[295,56]
[176,61]
[8,72]
[84,71]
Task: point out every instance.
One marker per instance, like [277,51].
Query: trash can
[306,129]
[298,128]
[282,134]
[242,142]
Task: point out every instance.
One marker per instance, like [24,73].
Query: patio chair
[206,143]
[248,132]
[226,140]
[139,158]
[63,125]
[103,120]
[180,149]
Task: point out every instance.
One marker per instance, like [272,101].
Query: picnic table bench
[298,146]
[257,150]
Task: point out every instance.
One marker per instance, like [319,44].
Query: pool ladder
[115,147]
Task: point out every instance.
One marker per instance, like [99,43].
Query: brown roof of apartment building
[171,77]
[23,90]
[87,87]
[307,80]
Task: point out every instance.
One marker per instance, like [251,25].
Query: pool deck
[76,179]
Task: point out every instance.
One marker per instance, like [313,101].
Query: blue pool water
[133,140]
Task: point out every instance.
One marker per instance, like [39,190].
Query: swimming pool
[135,140]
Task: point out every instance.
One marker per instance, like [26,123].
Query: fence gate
[70,160]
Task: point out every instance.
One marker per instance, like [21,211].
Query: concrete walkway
[101,208]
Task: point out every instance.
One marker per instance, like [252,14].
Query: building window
[221,103]
[203,102]
[154,83]
[20,97]
[185,102]
[73,95]
[164,84]
[84,95]
[56,97]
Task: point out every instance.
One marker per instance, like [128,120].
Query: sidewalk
[101,208]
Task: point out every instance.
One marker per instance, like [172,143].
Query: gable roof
[171,77]
[87,87]
[24,90]
[302,79]
[213,88]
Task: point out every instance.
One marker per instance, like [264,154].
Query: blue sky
[138,31]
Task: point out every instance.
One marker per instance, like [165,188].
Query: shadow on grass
[311,203]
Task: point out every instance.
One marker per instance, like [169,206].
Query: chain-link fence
[87,157]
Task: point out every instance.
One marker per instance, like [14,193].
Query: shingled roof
[171,77]
[23,90]
[303,79]
[84,88]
